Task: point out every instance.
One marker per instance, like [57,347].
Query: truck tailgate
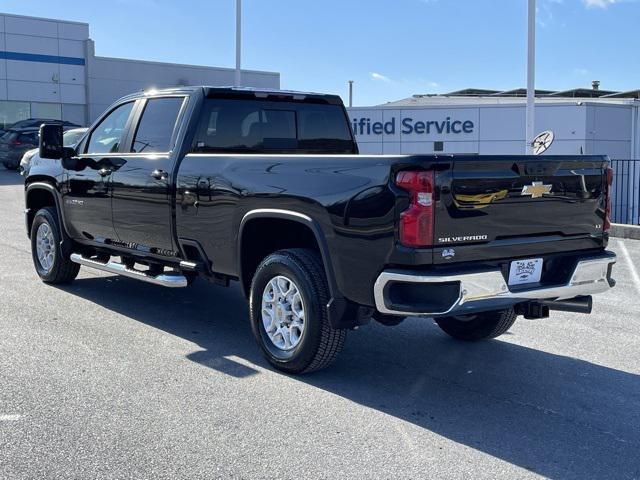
[498,207]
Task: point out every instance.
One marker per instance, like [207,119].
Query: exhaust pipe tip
[581,304]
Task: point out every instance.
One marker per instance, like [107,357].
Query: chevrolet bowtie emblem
[536,189]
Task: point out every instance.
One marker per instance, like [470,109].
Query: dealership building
[584,121]
[48,69]
[473,121]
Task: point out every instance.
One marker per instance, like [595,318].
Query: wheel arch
[342,313]
[278,216]
[41,194]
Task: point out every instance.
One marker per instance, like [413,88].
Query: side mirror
[51,145]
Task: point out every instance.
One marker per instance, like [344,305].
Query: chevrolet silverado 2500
[267,188]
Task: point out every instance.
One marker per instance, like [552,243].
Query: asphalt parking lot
[112,378]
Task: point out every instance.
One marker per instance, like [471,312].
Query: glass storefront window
[11,112]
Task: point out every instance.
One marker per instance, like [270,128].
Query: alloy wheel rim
[45,247]
[283,315]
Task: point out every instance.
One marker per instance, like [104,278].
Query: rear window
[157,124]
[31,138]
[5,137]
[272,127]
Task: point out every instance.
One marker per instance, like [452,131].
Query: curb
[625,231]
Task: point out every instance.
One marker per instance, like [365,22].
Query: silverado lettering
[465,238]
[267,188]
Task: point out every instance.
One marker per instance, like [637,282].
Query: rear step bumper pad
[165,279]
[475,291]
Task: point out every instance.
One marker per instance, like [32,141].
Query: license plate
[525,271]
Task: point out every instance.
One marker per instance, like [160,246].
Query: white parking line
[10,417]
[634,272]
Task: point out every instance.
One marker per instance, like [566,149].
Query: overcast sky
[391,48]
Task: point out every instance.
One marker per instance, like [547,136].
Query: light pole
[531,75]
[350,93]
[238,79]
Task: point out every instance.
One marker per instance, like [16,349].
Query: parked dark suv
[21,137]
[13,145]
[35,123]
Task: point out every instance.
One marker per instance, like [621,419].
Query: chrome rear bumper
[479,290]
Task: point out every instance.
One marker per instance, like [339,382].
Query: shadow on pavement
[554,415]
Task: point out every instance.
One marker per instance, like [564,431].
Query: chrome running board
[172,280]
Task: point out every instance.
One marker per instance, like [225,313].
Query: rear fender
[341,312]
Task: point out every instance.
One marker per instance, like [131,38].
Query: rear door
[514,205]
[142,184]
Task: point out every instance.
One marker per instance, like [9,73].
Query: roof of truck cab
[241,92]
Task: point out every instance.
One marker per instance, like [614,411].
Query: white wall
[40,75]
[609,130]
[42,80]
[500,129]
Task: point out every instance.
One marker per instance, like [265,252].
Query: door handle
[189,199]
[159,174]
[103,172]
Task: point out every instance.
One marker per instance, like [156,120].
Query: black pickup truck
[267,188]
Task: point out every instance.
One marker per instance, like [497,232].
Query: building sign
[409,126]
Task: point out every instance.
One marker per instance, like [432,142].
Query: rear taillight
[416,222]
[15,142]
[607,208]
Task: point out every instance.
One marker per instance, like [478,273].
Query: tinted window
[279,130]
[254,126]
[31,138]
[107,136]
[156,125]
[7,135]
[322,125]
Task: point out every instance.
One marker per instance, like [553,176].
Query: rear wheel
[288,316]
[478,326]
[51,262]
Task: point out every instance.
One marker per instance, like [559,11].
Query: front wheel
[288,296]
[478,326]
[52,264]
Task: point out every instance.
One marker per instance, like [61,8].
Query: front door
[142,185]
[87,189]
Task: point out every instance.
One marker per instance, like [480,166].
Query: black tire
[479,326]
[62,269]
[319,343]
